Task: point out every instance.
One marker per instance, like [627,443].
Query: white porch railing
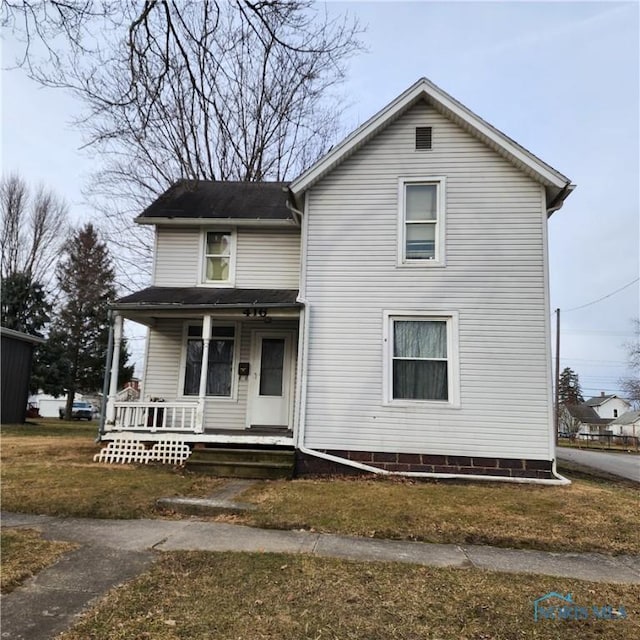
[157,416]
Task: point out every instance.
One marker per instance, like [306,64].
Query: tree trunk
[68,410]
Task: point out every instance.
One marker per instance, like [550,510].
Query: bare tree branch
[631,383]
[33,228]
[196,89]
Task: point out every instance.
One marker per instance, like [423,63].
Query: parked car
[79,411]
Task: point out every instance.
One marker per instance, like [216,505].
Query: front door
[271,377]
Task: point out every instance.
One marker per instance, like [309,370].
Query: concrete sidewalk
[113,551]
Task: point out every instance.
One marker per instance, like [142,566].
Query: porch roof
[207,297]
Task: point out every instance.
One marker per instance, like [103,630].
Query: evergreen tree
[80,332]
[569,391]
[24,304]
[25,307]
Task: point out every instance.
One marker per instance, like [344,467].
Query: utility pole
[557,407]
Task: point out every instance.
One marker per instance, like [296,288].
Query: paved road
[618,464]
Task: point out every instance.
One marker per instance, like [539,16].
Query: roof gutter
[175,306]
[231,222]
[558,201]
[297,214]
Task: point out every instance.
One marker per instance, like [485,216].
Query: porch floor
[255,435]
[251,431]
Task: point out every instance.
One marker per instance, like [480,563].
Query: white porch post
[204,367]
[115,367]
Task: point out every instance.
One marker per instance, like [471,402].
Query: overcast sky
[561,78]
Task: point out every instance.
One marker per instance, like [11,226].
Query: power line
[613,293]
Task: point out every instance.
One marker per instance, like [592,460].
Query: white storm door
[271,367]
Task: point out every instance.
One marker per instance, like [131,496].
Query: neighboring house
[386,311]
[608,406]
[581,420]
[628,424]
[17,356]
[130,392]
[49,406]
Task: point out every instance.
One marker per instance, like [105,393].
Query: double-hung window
[421,357]
[421,221]
[219,364]
[219,258]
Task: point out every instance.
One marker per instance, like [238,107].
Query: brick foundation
[423,463]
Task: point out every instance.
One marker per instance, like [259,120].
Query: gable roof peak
[557,186]
[596,401]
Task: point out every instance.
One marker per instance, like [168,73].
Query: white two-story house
[387,311]
[608,406]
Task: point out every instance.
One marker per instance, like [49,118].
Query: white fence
[156,416]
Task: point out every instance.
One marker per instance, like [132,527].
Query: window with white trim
[220,363]
[421,360]
[421,221]
[219,258]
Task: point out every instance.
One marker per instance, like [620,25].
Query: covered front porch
[220,366]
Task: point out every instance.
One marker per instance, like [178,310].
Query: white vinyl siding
[494,279]
[265,259]
[268,259]
[177,259]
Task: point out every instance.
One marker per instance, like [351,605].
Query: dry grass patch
[24,553]
[586,516]
[56,475]
[210,596]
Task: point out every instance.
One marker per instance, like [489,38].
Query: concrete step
[223,454]
[243,463]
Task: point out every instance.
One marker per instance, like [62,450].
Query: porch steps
[266,463]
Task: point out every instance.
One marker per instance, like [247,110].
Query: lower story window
[219,363]
[420,359]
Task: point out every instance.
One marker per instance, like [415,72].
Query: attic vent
[423,138]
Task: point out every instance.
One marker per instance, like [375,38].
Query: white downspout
[302,401]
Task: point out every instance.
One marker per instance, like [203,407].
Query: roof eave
[20,335]
[277,223]
[177,306]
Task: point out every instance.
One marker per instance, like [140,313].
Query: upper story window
[421,222]
[219,257]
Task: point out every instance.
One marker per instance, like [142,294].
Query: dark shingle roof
[222,200]
[203,297]
[596,401]
[627,418]
[585,413]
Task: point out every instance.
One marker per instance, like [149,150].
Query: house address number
[255,312]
